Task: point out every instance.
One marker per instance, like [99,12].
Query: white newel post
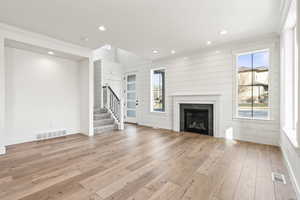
[91,96]
[121,126]
[101,85]
[107,98]
[2,97]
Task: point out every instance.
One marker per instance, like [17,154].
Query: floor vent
[277,177]
[51,134]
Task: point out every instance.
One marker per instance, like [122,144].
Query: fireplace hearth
[197,118]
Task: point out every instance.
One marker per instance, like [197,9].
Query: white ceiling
[140,26]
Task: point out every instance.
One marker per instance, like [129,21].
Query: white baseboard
[2,150]
[255,140]
[291,173]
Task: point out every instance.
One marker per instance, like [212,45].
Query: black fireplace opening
[197,118]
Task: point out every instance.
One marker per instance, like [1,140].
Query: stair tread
[105,126]
[103,120]
[101,114]
[100,110]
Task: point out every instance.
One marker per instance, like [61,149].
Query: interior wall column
[298,44]
[2,97]
[91,96]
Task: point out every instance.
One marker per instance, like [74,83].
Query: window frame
[236,54]
[151,90]
[291,30]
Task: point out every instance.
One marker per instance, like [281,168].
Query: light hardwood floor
[141,163]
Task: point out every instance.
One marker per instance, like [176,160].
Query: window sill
[252,120]
[291,135]
[158,112]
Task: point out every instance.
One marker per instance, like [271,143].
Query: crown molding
[24,36]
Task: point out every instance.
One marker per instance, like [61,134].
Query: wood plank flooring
[141,163]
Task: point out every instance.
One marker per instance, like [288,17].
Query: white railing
[114,105]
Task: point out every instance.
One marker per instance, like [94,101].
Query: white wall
[129,59]
[290,151]
[105,54]
[292,158]
[86,97]
[43,43]
[209,72]
[42,93]
[112,69]
[112,75]
[2,96]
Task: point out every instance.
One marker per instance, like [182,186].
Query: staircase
[110,117]
[103,121]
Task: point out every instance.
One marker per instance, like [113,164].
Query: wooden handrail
[107,86]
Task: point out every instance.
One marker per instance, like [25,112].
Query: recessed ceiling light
[102,28]
[173,52]
[223,32]
[155,51]
[208,42]
[50,52]
[218,51]
[185,58]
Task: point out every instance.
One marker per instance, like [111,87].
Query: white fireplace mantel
[206,98]
[195,94]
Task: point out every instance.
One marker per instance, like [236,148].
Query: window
[290,74]
[158,90]
[253,85]
[296,81]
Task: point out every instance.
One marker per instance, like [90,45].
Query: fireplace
[197,118]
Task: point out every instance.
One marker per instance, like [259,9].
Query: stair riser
[100,112]
[103,122]
[102,116]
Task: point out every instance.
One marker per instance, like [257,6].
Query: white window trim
[257,48]
[151,94]
[292,133]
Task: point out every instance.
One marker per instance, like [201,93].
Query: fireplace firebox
[197,118]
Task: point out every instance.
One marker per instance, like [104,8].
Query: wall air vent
[277,177]
[51,134]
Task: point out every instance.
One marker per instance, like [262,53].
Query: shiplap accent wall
[208,71]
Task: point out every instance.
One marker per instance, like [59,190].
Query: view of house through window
[158,90]
[253,85]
